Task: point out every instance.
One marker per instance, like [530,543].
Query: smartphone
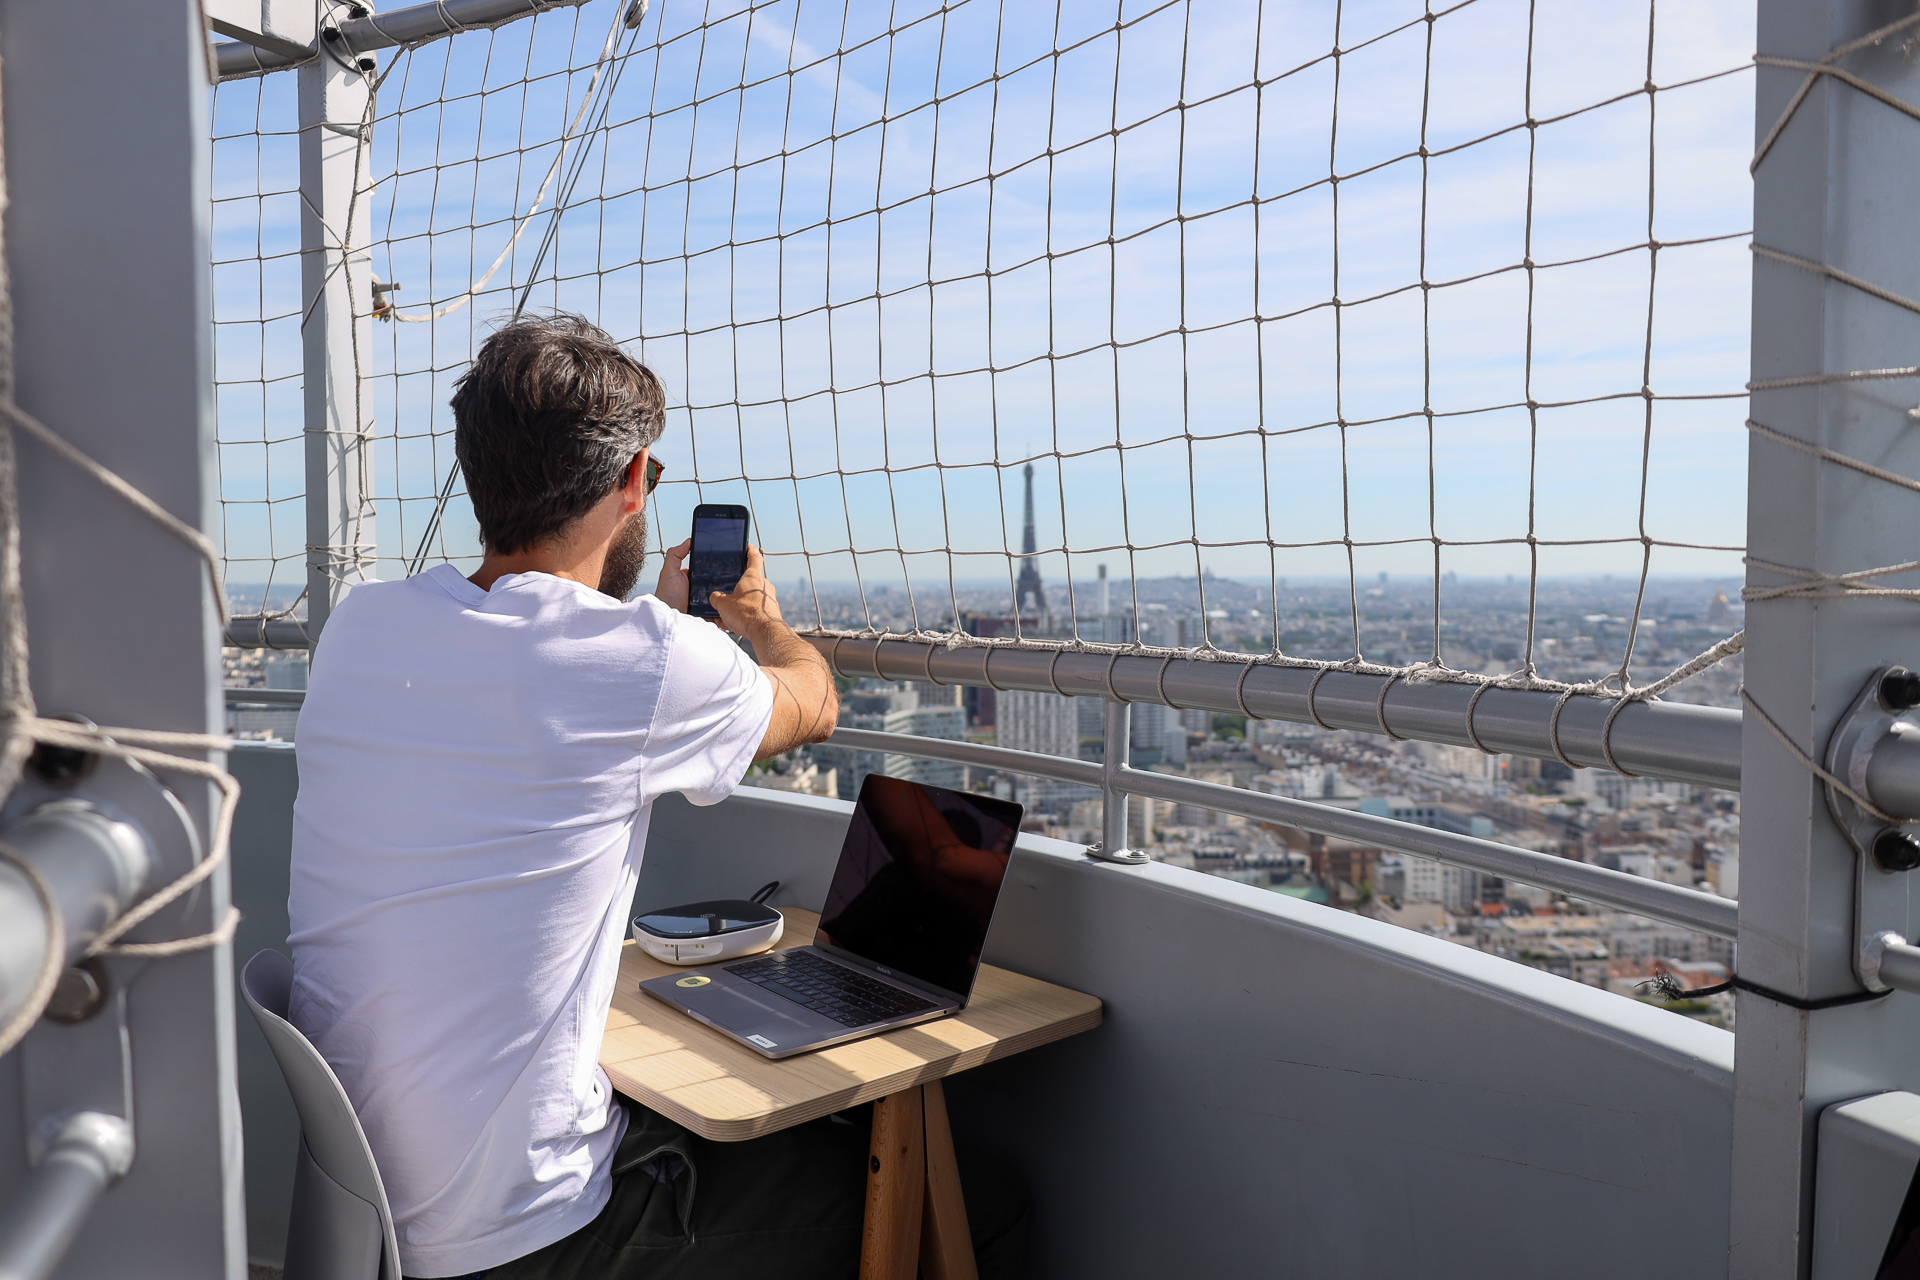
[719,554]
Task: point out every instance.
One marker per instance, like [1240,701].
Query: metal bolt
[1896,850]
[61,766]
[1900,689]
[80,993]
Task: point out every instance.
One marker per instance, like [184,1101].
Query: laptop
[900,936]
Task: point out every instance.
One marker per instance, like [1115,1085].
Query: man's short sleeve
[713,712]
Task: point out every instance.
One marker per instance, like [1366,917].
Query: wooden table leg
[946,1242]
[896,1188]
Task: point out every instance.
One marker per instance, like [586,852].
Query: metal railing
[1669,903]
[1676,741]
[265,697]
[1116,780]
[1700,745]
[257,631]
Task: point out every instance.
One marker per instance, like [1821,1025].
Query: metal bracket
[1126,857]
[81,1066]
[1883,853]
[128,791]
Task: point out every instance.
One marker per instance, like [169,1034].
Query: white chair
[340,1228]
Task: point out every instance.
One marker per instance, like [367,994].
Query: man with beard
[479,758]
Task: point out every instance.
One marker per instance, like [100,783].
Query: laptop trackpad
[767,1020]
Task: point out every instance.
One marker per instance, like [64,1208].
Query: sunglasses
[655,469]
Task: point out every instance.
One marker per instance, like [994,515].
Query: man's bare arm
[805,704]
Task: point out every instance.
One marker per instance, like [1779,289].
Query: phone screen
[718,559]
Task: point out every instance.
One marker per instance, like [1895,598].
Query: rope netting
[258,388]
[1268,332]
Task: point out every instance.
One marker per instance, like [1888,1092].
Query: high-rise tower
[1031,597]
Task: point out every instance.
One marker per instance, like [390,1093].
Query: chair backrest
[341,1228]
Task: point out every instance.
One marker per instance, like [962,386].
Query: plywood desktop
[720,1089]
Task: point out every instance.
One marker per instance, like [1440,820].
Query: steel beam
[1660,739]
[407,27]
[1837,187]
[107,242]
[336,327]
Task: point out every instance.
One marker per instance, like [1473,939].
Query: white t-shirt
[476,773]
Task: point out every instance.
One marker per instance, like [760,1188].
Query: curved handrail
[1686,743]
[1671,903]
[1657,900]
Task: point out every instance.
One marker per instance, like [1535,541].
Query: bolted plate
[1881,892]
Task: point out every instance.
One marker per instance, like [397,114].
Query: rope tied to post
[22,727]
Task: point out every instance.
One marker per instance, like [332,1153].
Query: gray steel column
[106,158]
[1839,186]
[337,329]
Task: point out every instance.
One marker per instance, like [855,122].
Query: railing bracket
[1883,710]
[1126,857]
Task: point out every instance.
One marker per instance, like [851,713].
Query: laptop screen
[917,880]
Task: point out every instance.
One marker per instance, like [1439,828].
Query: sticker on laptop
[696,980]
[762,1041]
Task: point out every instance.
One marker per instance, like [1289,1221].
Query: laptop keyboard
[840,993]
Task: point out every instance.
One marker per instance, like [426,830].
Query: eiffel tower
[1030,596]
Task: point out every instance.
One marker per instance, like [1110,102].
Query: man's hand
[805,704]
[752,604]
[672,591]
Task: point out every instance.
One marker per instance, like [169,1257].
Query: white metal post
[107,242]
[1113,800]
[336,329]
[1839,186]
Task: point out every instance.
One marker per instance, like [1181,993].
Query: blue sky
[947,246]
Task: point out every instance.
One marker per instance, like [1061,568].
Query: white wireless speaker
[703,932]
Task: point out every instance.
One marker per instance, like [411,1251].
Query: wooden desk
[716,1087]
